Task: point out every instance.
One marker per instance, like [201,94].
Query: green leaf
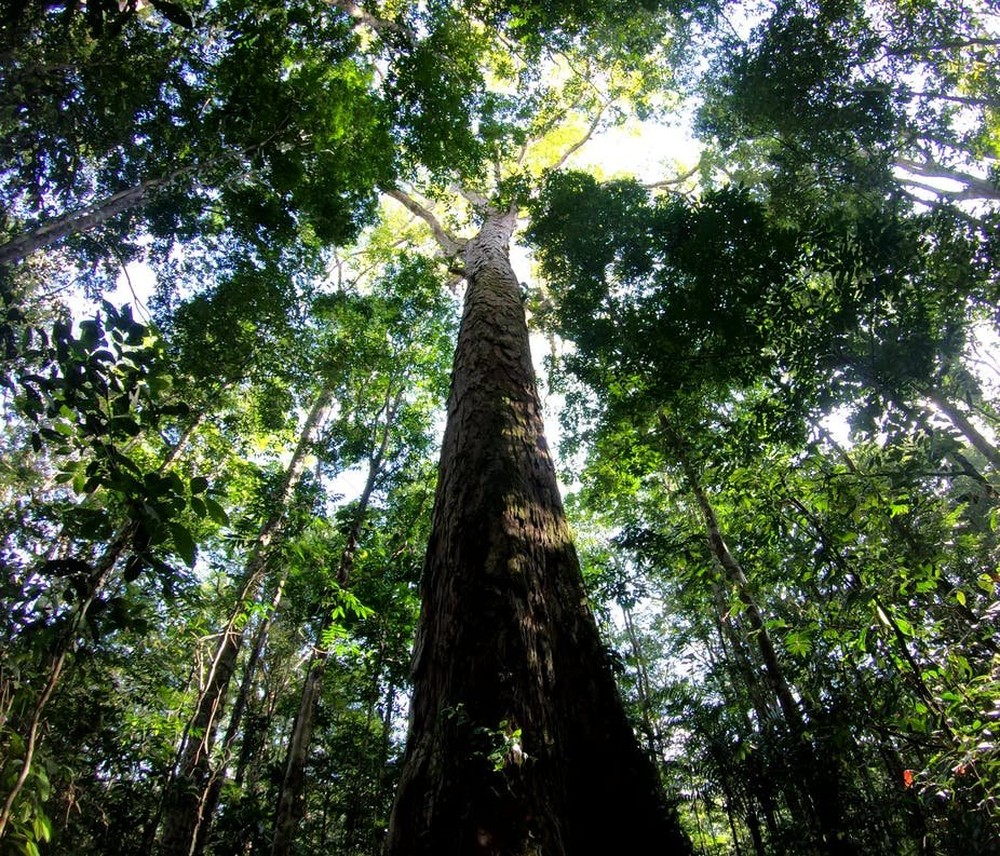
[184,543]
[798,643]
[216,511]
[42,827]
[199,484]
[198,506]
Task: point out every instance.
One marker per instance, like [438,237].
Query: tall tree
[518,739]
[503,753]
[745,326]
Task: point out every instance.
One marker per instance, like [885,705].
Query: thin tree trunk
[730,811]
[518,741]
[186,797]
[743,670]
[733,571]
[739,663]
[753,824]
[822,787]
[290,802]
[375,839]
[235,723]
[971,433]
[57,663]
[642,684]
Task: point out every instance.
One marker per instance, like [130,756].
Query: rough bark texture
[518,741]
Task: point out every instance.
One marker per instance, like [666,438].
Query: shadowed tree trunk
[518,741]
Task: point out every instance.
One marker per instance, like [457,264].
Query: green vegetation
[779,370]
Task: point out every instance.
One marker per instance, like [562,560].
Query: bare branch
[379,25]
[941,205]
[967,100]
[451,245]
[957,44]
[975,187]
[579,144]
[476,200]
[671,183]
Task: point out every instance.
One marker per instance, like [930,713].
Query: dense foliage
[779,372]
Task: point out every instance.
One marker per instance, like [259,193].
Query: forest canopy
[285,564]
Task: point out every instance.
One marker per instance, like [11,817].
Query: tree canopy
[773,365]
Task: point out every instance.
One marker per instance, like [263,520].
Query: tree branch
[672,182]
[451,245]
[579,144]
[957,44]
[379,25]
[476,200]
[940,205]
[976,187]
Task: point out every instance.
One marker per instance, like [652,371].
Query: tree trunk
[187,796]
[652,733]
[822,785]
[518,741]
[293,784]
[234,726]
[57,661]
[733,571]
[964,424]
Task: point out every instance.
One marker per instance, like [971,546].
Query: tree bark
[518,741]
